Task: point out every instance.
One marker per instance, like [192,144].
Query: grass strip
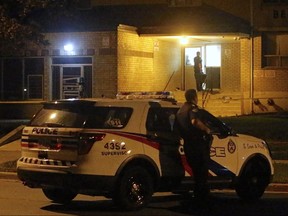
[9,166]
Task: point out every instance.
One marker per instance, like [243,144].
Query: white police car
[127,149]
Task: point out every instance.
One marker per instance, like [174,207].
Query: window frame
[274,51]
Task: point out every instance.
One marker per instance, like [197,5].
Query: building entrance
[71,82]
[211,66]
[70,79]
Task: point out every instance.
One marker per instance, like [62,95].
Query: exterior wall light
[184,40]
[68,47]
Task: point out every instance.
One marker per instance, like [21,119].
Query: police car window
[161,119]
[108,117]
[58,116]
[68,115]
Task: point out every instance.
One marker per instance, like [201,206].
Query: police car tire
[58,195]
[134,189]
[252,182]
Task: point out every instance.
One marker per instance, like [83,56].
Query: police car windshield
[82,116]
[216,125]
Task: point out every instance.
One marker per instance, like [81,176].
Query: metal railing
[205,93]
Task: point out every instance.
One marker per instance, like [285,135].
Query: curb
[277,187]
[9,175]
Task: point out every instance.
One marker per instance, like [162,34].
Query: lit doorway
[211,65]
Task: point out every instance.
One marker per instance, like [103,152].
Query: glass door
[211,65]
[70,84]
[71,77]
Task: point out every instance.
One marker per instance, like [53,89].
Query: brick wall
[167,65]
[245,68]
[230,67]
[105,65]
[145,63]
[135,60]
[245,65]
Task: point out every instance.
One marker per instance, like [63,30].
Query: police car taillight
[86,141]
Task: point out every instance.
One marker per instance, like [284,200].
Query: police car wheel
[134,189]
[253,181]
[58,195]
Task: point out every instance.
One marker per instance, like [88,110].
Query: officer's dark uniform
[196,147]
[198,72]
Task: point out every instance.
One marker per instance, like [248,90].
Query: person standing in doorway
[198,71]
[197,141]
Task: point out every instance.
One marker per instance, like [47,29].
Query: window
[18,75]
[210,58]
[34,70]
[213,56]
[161,119]
[108,117]
[81,115]
[12,79]
[190,53]
[35,86]
[275,50]
[61,115]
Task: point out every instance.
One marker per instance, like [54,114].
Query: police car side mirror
[225,133]
[232,133]
[222,133]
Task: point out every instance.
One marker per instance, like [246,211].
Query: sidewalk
[10,152]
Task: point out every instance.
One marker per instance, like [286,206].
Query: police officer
[196,142]
[198,71]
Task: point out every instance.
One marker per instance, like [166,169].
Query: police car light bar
[163,95]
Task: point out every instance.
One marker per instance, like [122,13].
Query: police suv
[127,149]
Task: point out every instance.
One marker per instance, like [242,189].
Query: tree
[20,25]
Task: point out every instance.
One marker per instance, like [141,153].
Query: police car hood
[248,138]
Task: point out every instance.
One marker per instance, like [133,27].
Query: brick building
[136,47]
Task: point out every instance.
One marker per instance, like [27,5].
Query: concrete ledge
[277,187]
[9,175]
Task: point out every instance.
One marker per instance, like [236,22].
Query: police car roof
[111,102]
[124,98]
